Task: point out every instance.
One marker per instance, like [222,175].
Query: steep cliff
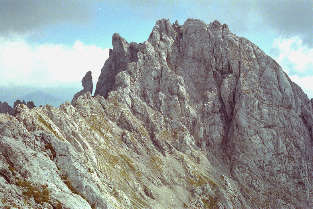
[194,117]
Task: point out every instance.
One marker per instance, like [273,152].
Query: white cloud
[297,60]
[293,52]
[22,63]
[306,83]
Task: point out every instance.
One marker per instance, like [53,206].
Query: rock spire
[87,86]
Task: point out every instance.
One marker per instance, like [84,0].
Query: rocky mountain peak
[119,44]
[194,117]
[218,88]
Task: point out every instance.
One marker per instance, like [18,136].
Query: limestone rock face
[87,86]
[194,117]
[122,54]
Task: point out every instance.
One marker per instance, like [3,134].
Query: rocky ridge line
[6,108]
[194,117]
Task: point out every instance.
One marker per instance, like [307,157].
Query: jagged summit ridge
[194,117]
[221,88]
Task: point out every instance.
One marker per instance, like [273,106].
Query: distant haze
[40,96]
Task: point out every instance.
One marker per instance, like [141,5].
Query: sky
[54,43]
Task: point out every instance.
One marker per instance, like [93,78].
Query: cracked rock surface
[194,117]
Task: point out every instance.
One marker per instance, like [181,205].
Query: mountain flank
[194,117]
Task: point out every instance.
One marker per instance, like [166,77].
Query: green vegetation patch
[156,163]
[130,164]
[48,126]
[210,202]
[68,183]
[40,194]
[100,125]
[200,180]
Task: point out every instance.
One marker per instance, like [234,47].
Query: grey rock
[87,86]
[234,100]
[120,56]
[30,104]
[18,102]
[194,117]
[5,107]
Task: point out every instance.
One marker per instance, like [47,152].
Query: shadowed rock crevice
[119,57]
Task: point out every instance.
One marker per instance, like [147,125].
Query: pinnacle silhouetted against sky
[54,42]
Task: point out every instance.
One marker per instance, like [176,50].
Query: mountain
[194,117]
[10,94]
[40,96]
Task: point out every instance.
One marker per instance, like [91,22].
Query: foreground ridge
[194,117]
